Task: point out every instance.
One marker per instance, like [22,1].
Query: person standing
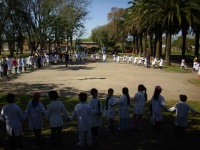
[19,62]
[83,113]
[139,99]
[148,59]
[181,120]
[124,113]
[9,64]
[157,104]
[13,116]
[66,55]
[55,110]
[109,110]
[34,111]
[96,107]
[15,65]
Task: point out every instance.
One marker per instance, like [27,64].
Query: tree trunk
[196,51]
[141,46]
[158,44]
[151,43]
[168,49]
[137,45]
[134,44]
[184,33]
[145,43]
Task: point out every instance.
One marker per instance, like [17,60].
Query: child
[181,119]
[183,66]
[161,63]
[114,58]
[34,111]
[139,99]
[125,59]
[118,59]
[13,116]
[15,65]
[83,113]
[96,107]
[54,116]
[130,58]
[135,60]
[157,104]
[124,113]
[104,57]
[109,110]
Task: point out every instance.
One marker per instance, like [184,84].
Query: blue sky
[98,13]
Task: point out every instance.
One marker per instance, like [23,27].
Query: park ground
[76,78]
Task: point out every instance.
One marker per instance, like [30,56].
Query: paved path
[76,78]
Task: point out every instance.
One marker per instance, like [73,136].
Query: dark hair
[183,98]
[157,92]
[10,98]
[82,97]
[142,88]
[93,90]
[125,92]
[110,90]
[53,95]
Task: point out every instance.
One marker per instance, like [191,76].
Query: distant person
[104,57]
[66,55]
[157,104]
[82,112]
[181,120]
[148,56]
[13,116]
[55,112]
[34,111]
[183,65]
[103,50]
[161,63]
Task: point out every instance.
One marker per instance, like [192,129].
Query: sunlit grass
[176,69]
[195,81]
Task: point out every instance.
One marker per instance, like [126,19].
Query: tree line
[147,21]
[41,21]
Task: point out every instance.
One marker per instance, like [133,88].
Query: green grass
[195,81]
[174,68]
[143,140]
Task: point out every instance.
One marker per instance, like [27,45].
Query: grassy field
[146,139]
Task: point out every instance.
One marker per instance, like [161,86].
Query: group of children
[89,114]
[137,60]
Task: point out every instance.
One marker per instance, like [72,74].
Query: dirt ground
[82,77]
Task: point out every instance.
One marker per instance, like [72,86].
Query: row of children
[89,115]
[138,60]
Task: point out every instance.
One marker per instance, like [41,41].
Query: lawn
[146,139]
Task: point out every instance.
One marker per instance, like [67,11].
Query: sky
[98,13]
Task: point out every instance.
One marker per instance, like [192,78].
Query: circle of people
[89,114]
